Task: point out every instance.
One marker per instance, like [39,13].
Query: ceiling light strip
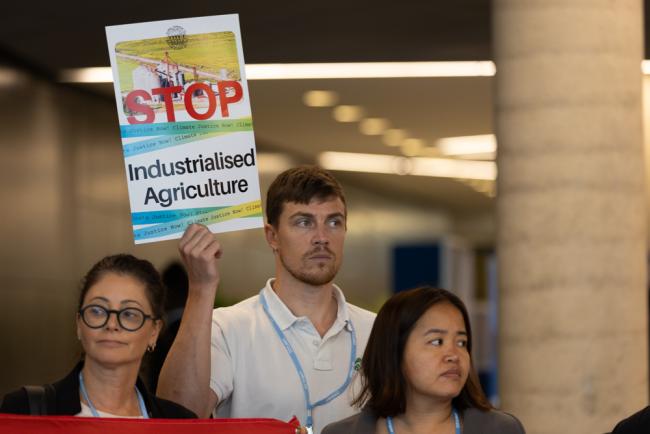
[467,145]
[419,166]
[296,71]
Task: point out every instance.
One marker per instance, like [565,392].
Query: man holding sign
[293,348]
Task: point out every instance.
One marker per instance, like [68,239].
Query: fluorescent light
[419,166]
[347,113]
[10,77]
[273,163]
[468,145]
[373,126]
[87,75]
[288,71]
[448,168]
[645,67]
[274,71]
[353,162]
[295,71]
[320,98]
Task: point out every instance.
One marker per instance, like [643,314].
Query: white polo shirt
[253,374]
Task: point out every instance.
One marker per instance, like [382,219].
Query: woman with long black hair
[417,372]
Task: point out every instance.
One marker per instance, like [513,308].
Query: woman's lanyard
[391,428]
[93,410]
[301,373]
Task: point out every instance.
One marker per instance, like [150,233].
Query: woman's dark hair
[128,265]
[382,377]
[300,185]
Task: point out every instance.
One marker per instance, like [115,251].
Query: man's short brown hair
[300,185]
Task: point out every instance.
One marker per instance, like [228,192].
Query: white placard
[185,120]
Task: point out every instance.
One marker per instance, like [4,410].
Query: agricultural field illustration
[160,63]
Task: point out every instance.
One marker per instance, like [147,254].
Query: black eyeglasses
[130,318]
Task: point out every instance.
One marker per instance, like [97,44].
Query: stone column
[571,212]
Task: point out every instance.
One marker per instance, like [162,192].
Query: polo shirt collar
[285,318]
[342,314]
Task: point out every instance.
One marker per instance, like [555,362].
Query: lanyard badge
[93,410]
[301,373]
[391,428]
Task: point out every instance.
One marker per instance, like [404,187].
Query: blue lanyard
[391,428]
[301,373]
[93,410]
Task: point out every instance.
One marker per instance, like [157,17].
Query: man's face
[309,239]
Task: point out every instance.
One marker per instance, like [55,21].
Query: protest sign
[185,121]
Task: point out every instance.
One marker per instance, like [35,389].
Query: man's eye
[335,223]
[303,223]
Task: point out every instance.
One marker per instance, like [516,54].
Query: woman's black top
[66,400]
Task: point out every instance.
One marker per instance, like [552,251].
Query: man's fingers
[189,233]
[202,241]
[187,237]
[213,249]
[192,236]
[200,249]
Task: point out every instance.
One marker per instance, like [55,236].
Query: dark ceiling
[67,34]
[49,36]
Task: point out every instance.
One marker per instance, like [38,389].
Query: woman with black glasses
[118,320]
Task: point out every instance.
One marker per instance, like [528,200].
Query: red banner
[14,424]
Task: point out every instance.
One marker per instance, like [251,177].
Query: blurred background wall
[63,184]
[65,203]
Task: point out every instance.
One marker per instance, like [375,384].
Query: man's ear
[271,235]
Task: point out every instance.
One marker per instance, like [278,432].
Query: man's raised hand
[200,252]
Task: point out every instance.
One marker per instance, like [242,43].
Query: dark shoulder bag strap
[40,399]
